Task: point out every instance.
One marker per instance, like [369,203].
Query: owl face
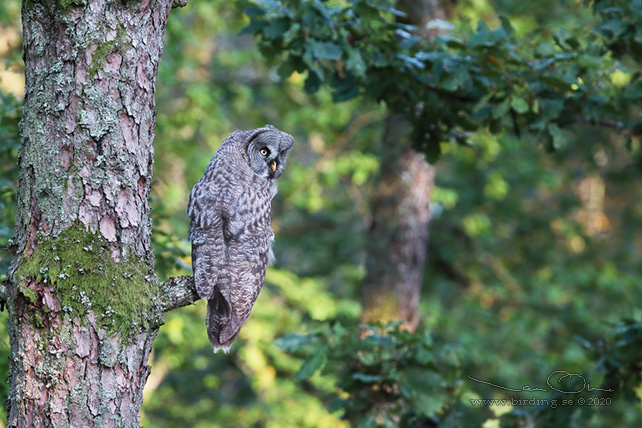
[268,152]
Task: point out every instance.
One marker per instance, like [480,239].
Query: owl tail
[219,317]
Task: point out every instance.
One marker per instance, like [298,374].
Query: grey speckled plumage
[230,228]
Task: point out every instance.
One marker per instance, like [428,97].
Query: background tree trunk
[82,296]
[398,236]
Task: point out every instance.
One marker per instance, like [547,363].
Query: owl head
[268,152]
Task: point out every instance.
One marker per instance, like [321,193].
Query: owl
[230,229]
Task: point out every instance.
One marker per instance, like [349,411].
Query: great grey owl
[230,229]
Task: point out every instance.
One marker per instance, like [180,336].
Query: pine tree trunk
[82,296]
[398,236]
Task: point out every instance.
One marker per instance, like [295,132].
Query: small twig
[608,123]
[178,291]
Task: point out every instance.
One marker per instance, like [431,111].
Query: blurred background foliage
[533,266]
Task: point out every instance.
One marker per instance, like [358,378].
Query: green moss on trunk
[63,5]
[78,264]
[104,49]
[66,5]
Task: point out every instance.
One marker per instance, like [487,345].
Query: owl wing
[206,210]
[243,282]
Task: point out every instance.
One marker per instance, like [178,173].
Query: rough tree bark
[84,304]
[398,235]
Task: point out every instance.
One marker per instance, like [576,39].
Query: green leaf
[564,40]
[337,404]
[411,62]
[355,63]
[430,56]
[422,355]
[440,25]
[253,27]
[254,11]
[484,37]
[424,388]
[312,83]
[452,42]
[324,50]
[276,28]
[285,70]
[346,92]
[369,421]
[454,80]
[314,70]
[519,104]
[366,378]
[560,139]
[311,365]
[506,25]
[294,341]
[292,33]
[501,109]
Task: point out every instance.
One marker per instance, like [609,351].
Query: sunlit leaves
[439,85]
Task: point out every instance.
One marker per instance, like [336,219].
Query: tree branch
[607,123]
[178,291]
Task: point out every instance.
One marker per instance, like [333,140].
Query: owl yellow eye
[264,151]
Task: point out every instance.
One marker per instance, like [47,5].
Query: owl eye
[264,151]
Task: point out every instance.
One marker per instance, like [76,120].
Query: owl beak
[273,165]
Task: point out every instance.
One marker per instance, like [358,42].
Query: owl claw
[225,349]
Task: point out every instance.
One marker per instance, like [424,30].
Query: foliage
[450,85]
[620,26]
[391,377]
[523,253]
[618,361]
[387,376]
[10,113]
[619,357]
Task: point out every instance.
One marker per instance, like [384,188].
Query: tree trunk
[82,295]
[398,236]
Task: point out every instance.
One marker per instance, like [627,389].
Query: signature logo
[555,377]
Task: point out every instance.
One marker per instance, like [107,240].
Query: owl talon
[226,350]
